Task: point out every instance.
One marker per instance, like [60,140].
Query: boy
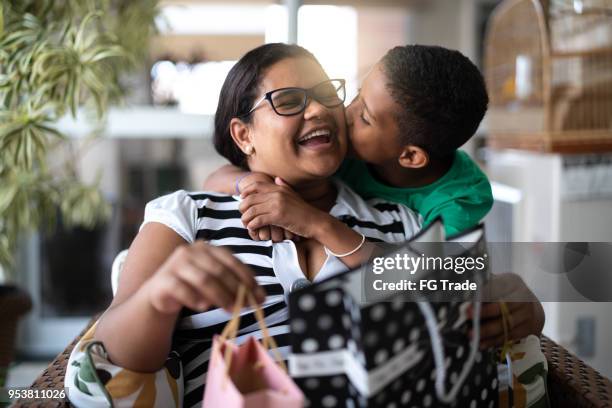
[416,107]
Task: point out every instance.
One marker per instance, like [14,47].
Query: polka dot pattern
[325,319]
[410,389]
[329,327]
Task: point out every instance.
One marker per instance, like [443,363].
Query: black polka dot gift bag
[402,348]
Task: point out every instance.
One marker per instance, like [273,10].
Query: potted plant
[56,58]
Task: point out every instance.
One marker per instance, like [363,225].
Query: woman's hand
[265,204]
[198,276]
[267,232]
[526,315]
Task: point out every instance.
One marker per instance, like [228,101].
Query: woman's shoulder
[183,198]
[184,211]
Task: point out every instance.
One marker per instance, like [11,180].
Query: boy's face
[372,125]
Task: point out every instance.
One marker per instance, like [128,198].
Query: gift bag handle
[438,349]
[231,328]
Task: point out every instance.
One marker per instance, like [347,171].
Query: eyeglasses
[292,101]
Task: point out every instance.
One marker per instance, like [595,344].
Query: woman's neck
[320,194]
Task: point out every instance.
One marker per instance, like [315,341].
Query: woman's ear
[413,157]
[241,133]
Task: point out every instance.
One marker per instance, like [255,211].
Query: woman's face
[284,146]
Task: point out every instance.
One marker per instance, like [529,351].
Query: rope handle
[506,324]
[231,330]
[506,348]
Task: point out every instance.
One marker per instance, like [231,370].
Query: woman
[279,114]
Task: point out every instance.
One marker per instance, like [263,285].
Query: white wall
[437,22]
[588,221]
[549,217]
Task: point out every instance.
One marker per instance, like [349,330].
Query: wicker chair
[571,382]
[14,303]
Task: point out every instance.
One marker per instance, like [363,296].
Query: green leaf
[2,17]
[56,57]
[52,131]
[7,195]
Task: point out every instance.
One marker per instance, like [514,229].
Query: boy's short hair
[441,94]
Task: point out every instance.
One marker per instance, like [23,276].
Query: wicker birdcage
[548,68]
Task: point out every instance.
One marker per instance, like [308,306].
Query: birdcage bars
[548,68]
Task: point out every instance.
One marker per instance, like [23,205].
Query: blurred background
[546,142]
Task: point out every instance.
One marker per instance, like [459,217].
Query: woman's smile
[318,138]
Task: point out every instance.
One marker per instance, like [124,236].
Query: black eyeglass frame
[307,94]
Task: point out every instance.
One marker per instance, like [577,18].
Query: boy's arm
[223,180]
[456,217]
[461,213]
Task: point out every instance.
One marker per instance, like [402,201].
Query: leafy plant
[57,57]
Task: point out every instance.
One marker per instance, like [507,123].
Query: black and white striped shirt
[215,218]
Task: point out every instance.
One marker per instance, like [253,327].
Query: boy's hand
[265,233]
[272,232]
[253,177]
[526,315]
[277,204]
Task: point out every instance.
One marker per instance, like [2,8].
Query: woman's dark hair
[240,90]
[441,94]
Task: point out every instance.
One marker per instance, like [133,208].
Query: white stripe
[207,192]
[285,352]
[367,231]
[195,363]
[268,280]
[275,318]
[194,383]
[216,316]
[375,233]
[274,331]
[255,259]
[213,205]
[344,362]
[218,223]
[205,355]
[239,241]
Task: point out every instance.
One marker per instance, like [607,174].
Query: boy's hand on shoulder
[253,177]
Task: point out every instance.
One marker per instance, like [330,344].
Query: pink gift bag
[246,376]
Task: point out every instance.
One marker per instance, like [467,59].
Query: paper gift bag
[389,352]
[246,376]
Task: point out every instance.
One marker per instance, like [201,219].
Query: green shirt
[462,197]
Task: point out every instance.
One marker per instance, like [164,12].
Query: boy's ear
[413,157]
[241,133]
